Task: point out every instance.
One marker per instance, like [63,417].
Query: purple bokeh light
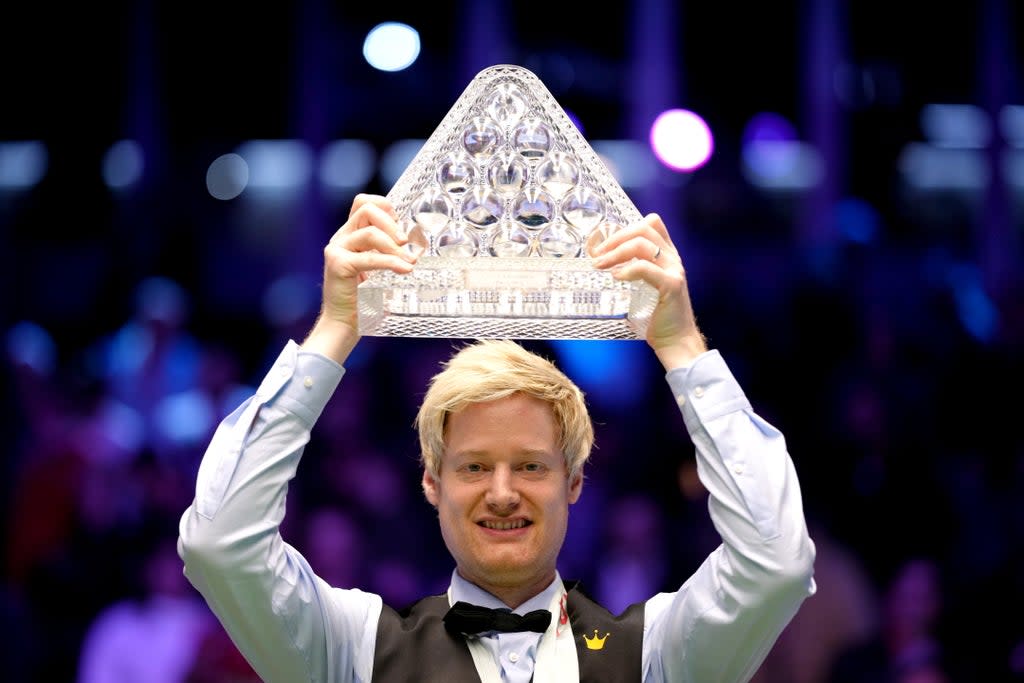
[768,127]
[681,140]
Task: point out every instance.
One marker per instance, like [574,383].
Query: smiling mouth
[505,525]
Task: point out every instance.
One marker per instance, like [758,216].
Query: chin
[508,573]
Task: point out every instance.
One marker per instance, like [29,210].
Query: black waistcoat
[413,645]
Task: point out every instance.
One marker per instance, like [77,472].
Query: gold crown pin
[596,643]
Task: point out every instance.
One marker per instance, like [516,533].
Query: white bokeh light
[391,46]
[347,165]
[277,166]
[227,176]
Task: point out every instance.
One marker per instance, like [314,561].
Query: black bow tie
[472,619]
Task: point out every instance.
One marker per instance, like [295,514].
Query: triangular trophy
[504,198]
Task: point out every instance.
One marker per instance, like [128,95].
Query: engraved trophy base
[508,298]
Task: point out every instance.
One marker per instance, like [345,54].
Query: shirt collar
[469,592]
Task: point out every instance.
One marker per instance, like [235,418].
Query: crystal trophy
[503,199]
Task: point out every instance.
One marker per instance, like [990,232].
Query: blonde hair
[492,369]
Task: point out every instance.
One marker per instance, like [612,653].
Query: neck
[512,595]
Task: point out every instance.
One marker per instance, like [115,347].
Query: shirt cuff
[301,381]
[706,389]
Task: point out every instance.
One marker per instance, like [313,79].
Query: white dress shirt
[291,625]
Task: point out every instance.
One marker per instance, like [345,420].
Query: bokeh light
[23,163]
[227,176]
[681,140]
[347,165]
[391,46]
[277,166]
[123,165]
[775,159]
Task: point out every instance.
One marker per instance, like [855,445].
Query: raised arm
[722,622]
[287,622]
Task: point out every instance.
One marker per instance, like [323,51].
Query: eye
[471,471]
[534,467]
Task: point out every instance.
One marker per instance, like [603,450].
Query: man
[504,437]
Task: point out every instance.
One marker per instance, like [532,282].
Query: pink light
[681,140]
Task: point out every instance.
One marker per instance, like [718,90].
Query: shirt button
[307,382]
[681,401]
[513,657]
[738,468]
[698,392]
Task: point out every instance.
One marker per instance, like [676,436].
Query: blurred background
[844,179]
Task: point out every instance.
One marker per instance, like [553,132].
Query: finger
[652,227]
[375,238]
[346,262]
[637,247]
[371,214]
[654,222]
[363,199]
[662,279]
[375,260]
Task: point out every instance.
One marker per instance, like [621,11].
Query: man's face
[503,494]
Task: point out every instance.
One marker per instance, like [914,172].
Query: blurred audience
[909,644]
[912,483]
[152,356]
[154,637]
[633,563]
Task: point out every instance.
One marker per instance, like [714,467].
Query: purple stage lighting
[681,140]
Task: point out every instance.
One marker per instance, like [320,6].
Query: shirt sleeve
[290,624]
[722,622]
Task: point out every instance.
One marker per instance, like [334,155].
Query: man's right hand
[645,251]
[370,239]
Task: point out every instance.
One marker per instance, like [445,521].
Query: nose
[502,495]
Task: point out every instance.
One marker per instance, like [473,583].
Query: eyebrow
[532,452]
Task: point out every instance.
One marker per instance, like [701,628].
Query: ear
[431,488]
[575,488]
